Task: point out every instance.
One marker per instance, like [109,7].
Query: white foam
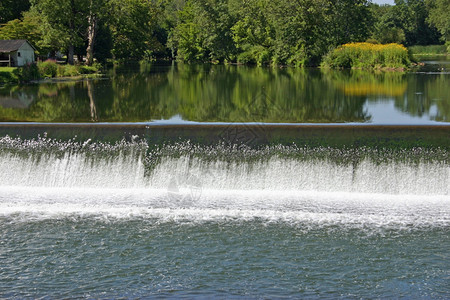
[307,208]
[72,170]
[126,170]
[49,183]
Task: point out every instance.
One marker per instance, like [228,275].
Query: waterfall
[45,177]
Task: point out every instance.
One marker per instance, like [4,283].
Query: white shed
[16,53]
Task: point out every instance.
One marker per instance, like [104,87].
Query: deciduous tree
[65,20]
[133,24]
[12,9]
[439,16]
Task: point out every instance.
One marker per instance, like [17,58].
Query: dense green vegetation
[367,56]
[252,31]
[8,74]
[45,69]
[430,49]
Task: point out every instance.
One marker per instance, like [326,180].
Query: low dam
[193,201]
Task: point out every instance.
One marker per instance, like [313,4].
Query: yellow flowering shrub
[367,56]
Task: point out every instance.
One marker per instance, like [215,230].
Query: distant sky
[391,2]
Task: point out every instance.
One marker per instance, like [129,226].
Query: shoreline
[55,79]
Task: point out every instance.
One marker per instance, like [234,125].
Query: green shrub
[25,73]
[75,70]
[367,56]
[87,69]
[372,41]
[48,68]
[29,72]
[259,55]
[262,57]
[67,71]
[299,57]
[246,58]
[60,71]
[70,70]
[9,74]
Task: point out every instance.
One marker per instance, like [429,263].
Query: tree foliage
[12,9]
[405,22]
[439,16]
[64,23]
[291,32]
[28,28]
[132,24]
[412,18]
[385,28]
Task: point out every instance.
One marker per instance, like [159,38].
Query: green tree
[94,14]
[439,16]
[385,29]
[64,21]
[306,30]
[133,25]
[28,28]
[253,32]
[186,36]
[201,30]
[12,9]
[103,42]
[350,21]
[215,23]
[300,30]
[411,16]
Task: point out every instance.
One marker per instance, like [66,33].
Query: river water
[208,93]
[107,221]
[128,219]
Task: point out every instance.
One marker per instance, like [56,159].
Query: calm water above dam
[191,211]
[205,93]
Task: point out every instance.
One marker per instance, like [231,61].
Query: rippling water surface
[91,219]
[72,256]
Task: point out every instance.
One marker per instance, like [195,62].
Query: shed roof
[12,45]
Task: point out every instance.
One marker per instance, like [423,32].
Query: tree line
[292,32]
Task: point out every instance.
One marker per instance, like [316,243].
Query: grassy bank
[367,56]
[8,74]
[433,50]
[44,70]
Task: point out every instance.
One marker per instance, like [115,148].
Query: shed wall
[26,55]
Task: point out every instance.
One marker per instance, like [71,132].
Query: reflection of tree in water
[90,91]
[427,92]
[57,102]
[201,93]
[439,92]
[415,94]
[232,94]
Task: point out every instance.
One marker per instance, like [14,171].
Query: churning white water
[47,181]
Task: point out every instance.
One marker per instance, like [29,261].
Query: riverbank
[8,75]
[430,50]
[48,70]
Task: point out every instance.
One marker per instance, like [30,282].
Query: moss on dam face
[251,135]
